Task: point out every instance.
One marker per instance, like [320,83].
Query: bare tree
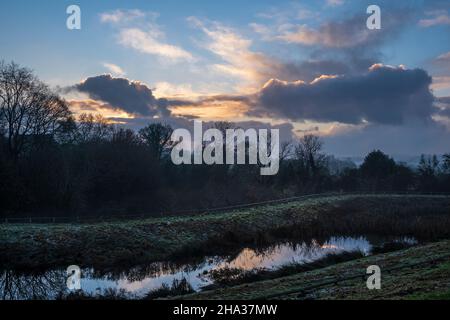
[285,150]
[93,128]
[157,137]
[308,151]
[28,108]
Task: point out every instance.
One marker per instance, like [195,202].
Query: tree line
[55,164]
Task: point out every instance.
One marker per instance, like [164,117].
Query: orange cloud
[94,107]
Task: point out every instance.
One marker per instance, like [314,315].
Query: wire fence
[190,212]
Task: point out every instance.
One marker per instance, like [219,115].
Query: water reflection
[283,254]
[139,281]
[15,286]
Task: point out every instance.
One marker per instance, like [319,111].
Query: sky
[304,67]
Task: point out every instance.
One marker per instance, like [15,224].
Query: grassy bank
[426,277]
[104,245]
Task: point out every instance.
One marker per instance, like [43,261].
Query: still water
[138,282]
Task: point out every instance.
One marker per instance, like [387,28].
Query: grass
[179,287]
[428,278]
[103,245]
[431,296]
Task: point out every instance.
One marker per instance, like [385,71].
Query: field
[121,244]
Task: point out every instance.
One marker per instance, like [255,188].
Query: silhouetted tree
[93,128]
[349,180]
[402,179]
[311,162]
[157,137]
[376,170]
[428,170]
[28,108]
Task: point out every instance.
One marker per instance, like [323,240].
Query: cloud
[263,30]
[139,31]
[284,13]
[345,32]
[149,43]
[227,44]
[348,33]
[385,95]
[114,69]
[254,69]
[95,107]
[164,89]
[310,69]
[123,16]
[120,93]
[335,3]
[441,83]
[444,57]
[435,18]
[238,60]
[443,104]
[338,46]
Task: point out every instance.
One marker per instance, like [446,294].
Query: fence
[92,219]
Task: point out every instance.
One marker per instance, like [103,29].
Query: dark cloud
[309,70]
[314,68]
[346,46]
[382,95]
[351,32]
[130,96]
[340,46]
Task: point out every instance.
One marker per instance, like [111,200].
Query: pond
[139,281]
